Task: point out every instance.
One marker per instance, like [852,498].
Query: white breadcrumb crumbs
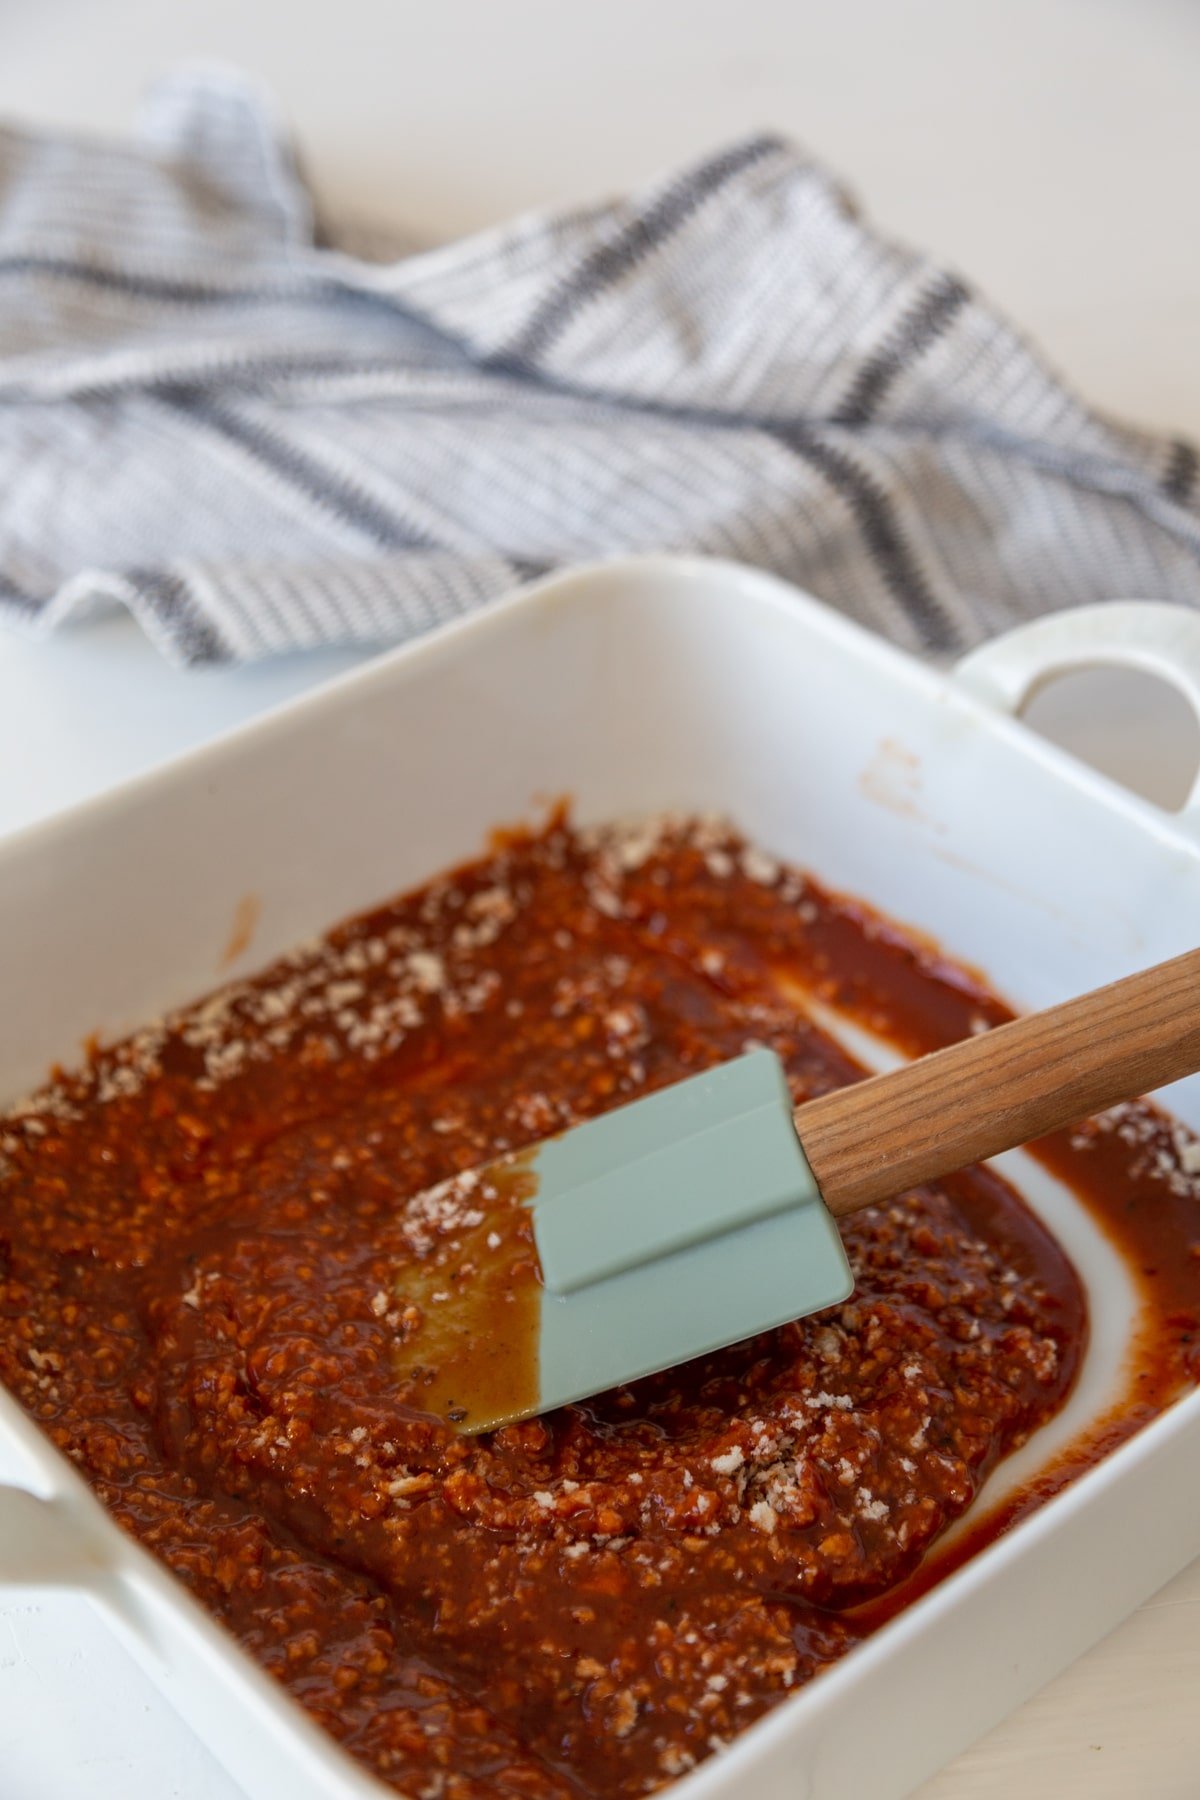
[758,866]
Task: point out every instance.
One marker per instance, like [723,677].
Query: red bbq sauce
[221,1264]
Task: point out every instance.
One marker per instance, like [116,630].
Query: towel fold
[222,418]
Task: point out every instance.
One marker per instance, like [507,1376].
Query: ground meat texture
[217,1242]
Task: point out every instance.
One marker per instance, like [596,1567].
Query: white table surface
[1048,148]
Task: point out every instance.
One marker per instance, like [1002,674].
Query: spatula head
[663,1230]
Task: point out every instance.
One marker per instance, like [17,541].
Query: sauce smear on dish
[236,1249]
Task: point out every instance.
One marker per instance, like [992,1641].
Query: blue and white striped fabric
[256,440]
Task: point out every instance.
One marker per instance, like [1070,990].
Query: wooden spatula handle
[1005,1087]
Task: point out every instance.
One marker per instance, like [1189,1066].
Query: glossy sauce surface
[230,1248]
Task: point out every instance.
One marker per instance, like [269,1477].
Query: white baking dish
[633,687]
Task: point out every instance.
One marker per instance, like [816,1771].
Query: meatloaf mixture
[215,1253]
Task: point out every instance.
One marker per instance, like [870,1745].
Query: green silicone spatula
[706,1212]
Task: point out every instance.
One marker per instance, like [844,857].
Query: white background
[1047,148]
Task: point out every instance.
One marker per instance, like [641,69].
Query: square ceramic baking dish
[634,687]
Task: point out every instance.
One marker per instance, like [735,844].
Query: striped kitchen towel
[257,437]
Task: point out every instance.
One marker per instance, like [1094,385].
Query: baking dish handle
[1150,635]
